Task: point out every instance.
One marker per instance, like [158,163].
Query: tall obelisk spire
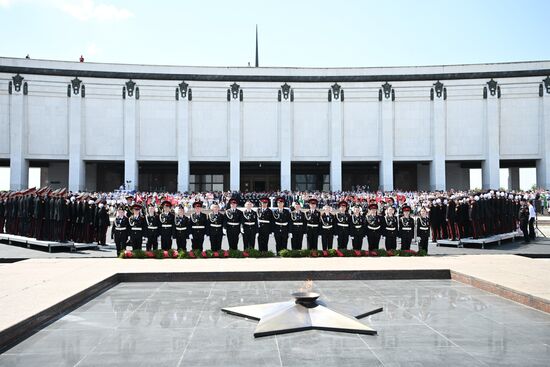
[257,61]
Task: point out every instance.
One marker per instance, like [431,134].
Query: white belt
[197,227]
[120,229]
[327,227]
[263,221]
[298,224]
[282,224]
[166,225]
[136,229]
[250,223]
[181,228]
[233,224]
[424,228]
[313,225]
[343,225]
[374,228]
[152,227]
[390,229]
[358,226]
[215,225]
[406,229]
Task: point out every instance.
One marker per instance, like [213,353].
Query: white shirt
[532,213]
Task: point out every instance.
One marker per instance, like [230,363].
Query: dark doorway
[360,176]
[158,176]
[208,176]
[405,176]
[260,176]
[310,176]
[109,175]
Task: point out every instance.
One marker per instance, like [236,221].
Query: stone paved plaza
[424,323]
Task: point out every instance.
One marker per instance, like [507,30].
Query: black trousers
[296,241]
[357,242]
[523,226]
[152,242]
[281,240]
[166,241]
[136,240]
[391,242]
[216,240]
[423,243]
[406,242]
[313,240]
[263,239]
[374,241]
[181,241]
[343,239]
[327,239]
[532,234]
[197,241]
[249,239]
[120,241]
[233,238]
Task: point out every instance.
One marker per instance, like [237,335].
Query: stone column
[491,165]
[336,124]
[131,114]
[77,168]
[19,166]
[182,129]
[543,164]
[387,96]
[235,95]
[285,118]
[438,125]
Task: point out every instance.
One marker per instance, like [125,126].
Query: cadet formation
[153,221]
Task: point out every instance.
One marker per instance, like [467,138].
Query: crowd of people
[59,215]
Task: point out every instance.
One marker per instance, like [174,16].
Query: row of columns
[490,165]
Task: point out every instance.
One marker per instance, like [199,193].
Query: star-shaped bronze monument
[302,313]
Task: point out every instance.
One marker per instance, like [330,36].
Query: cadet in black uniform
[390,228]
[249,223]
[342,220]
[152,233]
[297,224]
[357,228]
[406,228]
[119,231]
[233,224]
[137,226]
[374,227]
[423,229]
[265,224]
[181,228]
[327,228]
[312,216]
[281,223]
[215,227]
[198,226]
[524,219]
[166,219]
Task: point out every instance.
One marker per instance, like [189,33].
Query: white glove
[190,236]
[224,231]
[290,235]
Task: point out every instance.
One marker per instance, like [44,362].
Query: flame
[307,286]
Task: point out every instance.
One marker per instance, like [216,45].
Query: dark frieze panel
[76,85]
[17,82]
[183,86]
[286,90]
[386,87]
[546,82]
[277,78]
[335,91]
[130,86]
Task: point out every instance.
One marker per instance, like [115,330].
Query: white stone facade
[40,121]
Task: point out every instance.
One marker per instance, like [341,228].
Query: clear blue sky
[292,33]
